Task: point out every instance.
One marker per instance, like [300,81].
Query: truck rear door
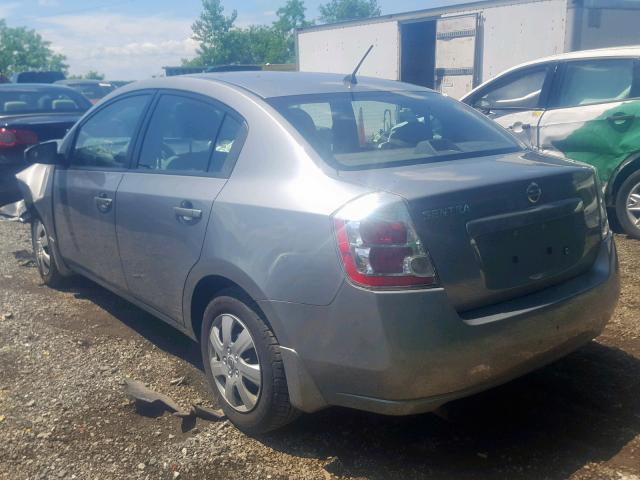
[457,71]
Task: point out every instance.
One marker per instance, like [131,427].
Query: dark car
[32,113]
[94,90]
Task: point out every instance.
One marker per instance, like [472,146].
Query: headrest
[302,121]
[196,121]
[63,104]
[15,106]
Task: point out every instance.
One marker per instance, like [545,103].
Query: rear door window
[188,135]
[595,81]
[227,146]
[103,141]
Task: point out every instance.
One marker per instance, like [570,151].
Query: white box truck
[452,49]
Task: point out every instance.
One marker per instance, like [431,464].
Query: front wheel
[44,256]
[243,364]
[628,205]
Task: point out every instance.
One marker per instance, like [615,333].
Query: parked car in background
[37,77]
[119,83]
[30,114]
[584,105]
[93,90]
[374,245]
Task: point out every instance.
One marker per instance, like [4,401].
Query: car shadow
[159,333]
[581,409]
[584,408]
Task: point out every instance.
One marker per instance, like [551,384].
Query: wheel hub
[42,247]
[633,205]
[234,363]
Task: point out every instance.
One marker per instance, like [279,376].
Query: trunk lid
[498,227]
[47,126]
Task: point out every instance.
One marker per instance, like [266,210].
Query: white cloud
[48,3]
[121,46]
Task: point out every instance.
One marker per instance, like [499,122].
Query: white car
[584,106]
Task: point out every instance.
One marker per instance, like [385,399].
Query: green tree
[93,75]
[210,29]
[340,10]
[223,43]
[290,16]
[90,75]
[23,49]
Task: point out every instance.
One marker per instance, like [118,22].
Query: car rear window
[366,130]
[22,101]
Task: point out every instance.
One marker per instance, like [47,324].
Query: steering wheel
[166,152]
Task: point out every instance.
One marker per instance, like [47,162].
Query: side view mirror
[45,153]
[483,105]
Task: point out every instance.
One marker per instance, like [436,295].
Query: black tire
[273,408]
[40,240]
[625,222]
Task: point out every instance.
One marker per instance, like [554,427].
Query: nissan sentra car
[368,244]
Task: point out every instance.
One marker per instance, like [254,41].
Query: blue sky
[133,39]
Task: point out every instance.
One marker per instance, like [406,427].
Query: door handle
[103,202]
[186,213]
[620,118]
[519,127]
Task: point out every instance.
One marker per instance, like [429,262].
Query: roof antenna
[351,79]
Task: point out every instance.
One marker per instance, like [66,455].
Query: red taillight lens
[13,137]
[378,244]
[383,233]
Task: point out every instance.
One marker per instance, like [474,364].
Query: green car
[584,106]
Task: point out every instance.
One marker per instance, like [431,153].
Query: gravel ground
[64,355]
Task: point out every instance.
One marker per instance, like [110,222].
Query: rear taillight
[10,137]
[378,243]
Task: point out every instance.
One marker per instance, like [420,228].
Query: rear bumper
[408,352]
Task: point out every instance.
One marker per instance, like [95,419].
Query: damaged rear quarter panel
[589,134]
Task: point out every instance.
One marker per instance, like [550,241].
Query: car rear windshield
[20,101]
[366,130]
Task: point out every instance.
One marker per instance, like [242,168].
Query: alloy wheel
[234,362]
[43,253]
[633,205]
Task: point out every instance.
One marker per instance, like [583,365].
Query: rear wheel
[628,205]
[44,256]
[243,364]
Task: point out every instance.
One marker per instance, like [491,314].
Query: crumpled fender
[36,185]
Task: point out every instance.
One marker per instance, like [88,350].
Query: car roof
[32,87]
[278,84]
[614,52]
[81,81]
[630,51]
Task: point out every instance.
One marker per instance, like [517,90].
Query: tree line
[220,40]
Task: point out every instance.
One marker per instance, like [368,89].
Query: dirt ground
[64,355]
